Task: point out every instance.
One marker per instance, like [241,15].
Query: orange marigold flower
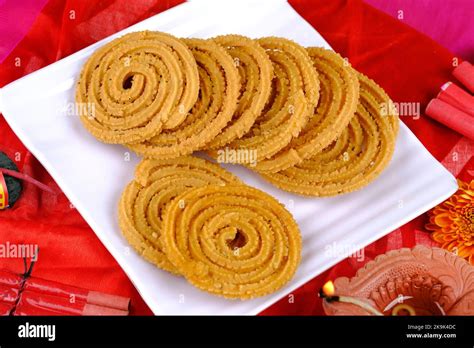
[452,222]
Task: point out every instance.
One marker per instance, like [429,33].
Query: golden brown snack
[217,102]
[233,241]
[135,85]
[145,199]
[256,73]
[356,158]
[295,93]
[337,104]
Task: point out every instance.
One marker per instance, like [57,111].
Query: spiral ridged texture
[145,199]
[219,91]
[355,159]
[256,73]
[295,93]
[234,241]
[137,85]
[339,97]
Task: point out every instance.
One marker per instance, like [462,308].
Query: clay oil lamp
[421,281]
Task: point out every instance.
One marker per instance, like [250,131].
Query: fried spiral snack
[295,93]
[217,102]
[137,85]
[302,118]
[356,158]
[337,104]
[233,241]
[256,73]
[144,201]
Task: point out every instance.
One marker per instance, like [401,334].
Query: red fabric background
[410,66]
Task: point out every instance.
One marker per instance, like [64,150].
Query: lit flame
[328,288]
[403,307]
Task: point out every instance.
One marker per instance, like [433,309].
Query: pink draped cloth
[448,22]
[16,18]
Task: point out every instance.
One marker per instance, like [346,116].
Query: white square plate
[37,107]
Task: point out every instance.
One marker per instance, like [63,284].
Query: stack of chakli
[315,124]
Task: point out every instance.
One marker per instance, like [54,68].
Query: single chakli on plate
[136,85]
[233,241]
[356,158]
[432,281]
